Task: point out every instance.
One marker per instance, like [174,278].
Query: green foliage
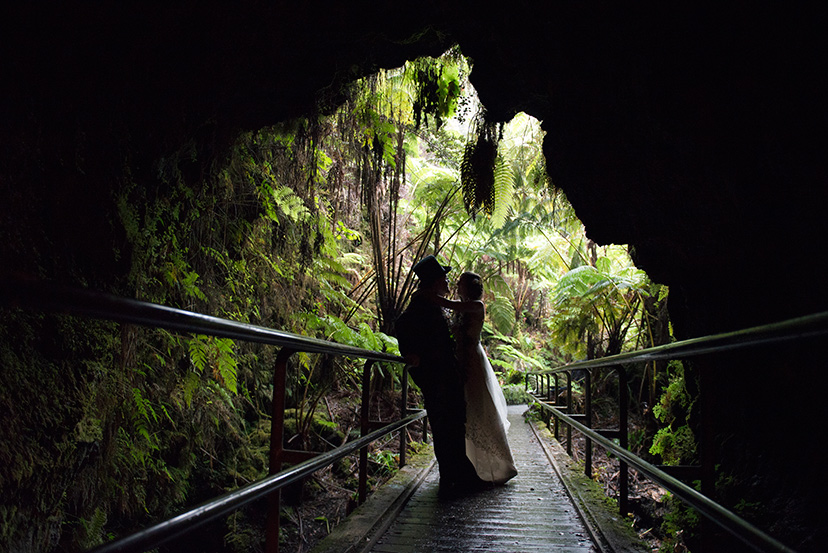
[282,200]
[520,360]
[597,305]
[310,227]
[93,529]
[516,395]
[674,445]
[478,170]
[242,534]
[680,523]
[383,463]
[437,88]
[216,354]
[675,442]
[502,314]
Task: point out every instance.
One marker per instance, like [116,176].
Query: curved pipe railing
[793,329]
[16,293]
[177,526]
[709,508]
[47,297]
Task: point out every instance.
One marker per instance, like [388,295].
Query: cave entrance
[413,167]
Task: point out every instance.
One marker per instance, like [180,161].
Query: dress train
[486,422]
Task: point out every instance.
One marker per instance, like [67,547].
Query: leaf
[226,363]
[370,340]
[191,383]
[143,406]
[505,365]
[504,191]
[290,204]
[502,314]
[197,347]
[576,283]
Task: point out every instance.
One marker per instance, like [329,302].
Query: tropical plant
[596,306]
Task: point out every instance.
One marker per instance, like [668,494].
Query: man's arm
[474,306]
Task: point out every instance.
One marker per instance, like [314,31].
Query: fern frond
[504,191]
[197,347]
[290,204]
[226,364]
[191,383]
[502,314]
[576,282]
[477,171]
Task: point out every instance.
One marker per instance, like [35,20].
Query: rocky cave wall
[695,135]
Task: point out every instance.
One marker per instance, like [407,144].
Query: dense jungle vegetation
[310,227]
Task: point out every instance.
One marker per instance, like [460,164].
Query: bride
[486,422]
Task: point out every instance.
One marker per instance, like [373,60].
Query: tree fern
[523,361]
[576,282]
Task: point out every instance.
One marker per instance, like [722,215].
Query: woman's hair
[474,284]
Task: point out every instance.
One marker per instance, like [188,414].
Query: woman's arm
[474,306]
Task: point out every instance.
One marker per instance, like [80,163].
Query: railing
[794,329]
[45,297]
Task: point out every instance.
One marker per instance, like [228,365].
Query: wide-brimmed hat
[429,269]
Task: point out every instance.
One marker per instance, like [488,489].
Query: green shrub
[516,395]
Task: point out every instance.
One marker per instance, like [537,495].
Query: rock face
[697,136]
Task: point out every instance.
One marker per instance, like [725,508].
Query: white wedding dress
[486,422]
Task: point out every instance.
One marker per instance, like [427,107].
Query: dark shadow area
[696,135]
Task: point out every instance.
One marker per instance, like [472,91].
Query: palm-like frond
[502,314]
[504,191]
[577,283]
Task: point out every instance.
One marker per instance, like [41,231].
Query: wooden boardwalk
[531,513]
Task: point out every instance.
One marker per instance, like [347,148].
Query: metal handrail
[50,297]
[737,526]
[56,298]
[792,329]
[163,532]
[798,328]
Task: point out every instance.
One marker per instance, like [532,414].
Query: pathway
[531,513]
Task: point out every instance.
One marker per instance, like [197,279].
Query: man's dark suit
[422,330]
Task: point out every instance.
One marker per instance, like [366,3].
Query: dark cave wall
[697,136]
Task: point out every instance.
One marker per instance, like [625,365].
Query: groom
[427,345]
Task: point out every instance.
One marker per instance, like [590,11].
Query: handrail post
[364,429]
[277,428]
[588,423]
[569,412]
[557,428]
[623,436]
[403,413]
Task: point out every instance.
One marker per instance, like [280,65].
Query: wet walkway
[530,513]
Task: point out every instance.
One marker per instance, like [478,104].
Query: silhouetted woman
[486,422]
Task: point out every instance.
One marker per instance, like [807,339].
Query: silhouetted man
[427,345]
